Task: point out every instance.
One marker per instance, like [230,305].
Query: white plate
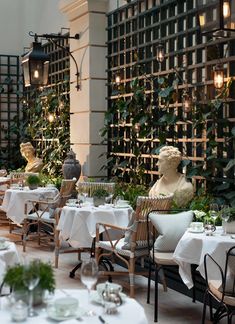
[72,205]
[122,206]
[52,314]
[4,246]
[191,230]
[95,297]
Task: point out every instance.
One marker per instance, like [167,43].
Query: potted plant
[33,181]
[14,278]
[99,196]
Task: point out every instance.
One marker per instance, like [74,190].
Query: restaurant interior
[117,163]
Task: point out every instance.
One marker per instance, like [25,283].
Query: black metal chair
[220,288]
[160,260]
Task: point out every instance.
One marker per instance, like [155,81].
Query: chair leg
[57,248]
[157,268]
[163,279]
[204,307]
[211,310]
[149,281]
[131,277]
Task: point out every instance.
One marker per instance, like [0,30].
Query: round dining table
[192,248]
[77,225]
[129,312]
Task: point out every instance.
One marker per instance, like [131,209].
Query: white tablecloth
[129,312]
[78,225]
[8,258]
[192,248]
[15,199]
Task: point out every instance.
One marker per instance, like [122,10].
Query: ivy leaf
[233,131]
[185,162]
[161,80]
[230,164]
[222,187]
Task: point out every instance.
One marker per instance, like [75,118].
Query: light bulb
[36,74]
[218,76]
[226,9]
[117,79]
[202,20]
[51,118]
[160,55]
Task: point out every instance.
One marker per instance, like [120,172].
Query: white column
[88,18]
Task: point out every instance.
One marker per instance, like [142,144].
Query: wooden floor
[174,307]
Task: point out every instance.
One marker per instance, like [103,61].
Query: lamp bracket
[52,38]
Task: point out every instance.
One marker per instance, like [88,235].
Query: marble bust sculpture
[171,180]
[34,164]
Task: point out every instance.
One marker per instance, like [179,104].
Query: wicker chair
[138,232]
[45,213]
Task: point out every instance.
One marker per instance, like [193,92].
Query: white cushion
[170,228]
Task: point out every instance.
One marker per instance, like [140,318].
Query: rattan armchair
[128,251]
[44,214]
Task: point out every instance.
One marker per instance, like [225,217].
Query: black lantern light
[160,53]
[218,76]
[216,16]
[35,63]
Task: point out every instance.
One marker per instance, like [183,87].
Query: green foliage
[40,106]
[14,277]
[100,193]
[33,179]
[230,211]
[130,192]
[47,179]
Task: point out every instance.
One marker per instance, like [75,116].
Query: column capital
[75,8]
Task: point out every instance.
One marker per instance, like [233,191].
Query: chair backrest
[66,190]
[143,207]
[224,281]
[90,187]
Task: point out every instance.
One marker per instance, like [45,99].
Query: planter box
[230,227]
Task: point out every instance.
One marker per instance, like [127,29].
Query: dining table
[192,248]
[130,310]
[15,199]
[77,225]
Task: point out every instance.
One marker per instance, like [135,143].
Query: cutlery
[102,320]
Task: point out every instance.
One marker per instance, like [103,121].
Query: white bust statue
[172,181]
[34,164]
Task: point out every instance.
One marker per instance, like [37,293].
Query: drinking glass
[225,214]
[214,208]
[31,277]
[89,277]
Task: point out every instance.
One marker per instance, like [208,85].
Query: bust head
[27,150]
[169,158]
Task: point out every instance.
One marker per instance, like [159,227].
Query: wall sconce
[186,101]
[217,16]
[118,79]
[35,63]
[160,53]
[218,76]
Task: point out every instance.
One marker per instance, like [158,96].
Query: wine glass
[89,277]
[214,208]
[31,277]
[225,214]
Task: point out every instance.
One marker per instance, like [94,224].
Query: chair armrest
[111,226]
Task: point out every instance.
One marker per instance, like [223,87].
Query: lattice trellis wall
[10,112]
[134,31]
